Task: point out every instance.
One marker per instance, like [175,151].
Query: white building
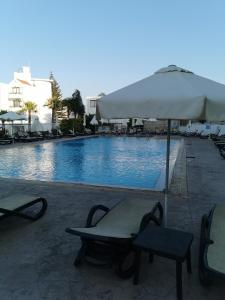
[24,88]
[3,96]
[91,103]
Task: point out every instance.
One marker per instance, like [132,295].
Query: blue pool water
[116,161]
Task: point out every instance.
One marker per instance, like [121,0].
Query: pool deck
[37,258]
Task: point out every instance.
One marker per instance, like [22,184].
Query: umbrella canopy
[94,121]
[170,93]
[37,126]
[12,116]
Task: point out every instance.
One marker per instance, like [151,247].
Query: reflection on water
[124,161]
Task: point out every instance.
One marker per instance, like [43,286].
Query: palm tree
[29,107]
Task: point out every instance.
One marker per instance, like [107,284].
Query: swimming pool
[112,161]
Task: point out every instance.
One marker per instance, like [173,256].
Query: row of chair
[25,137]
[220,144]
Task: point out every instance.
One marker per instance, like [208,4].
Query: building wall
[3,96]
[91,105]
[41,92]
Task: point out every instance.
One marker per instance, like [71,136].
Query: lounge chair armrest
[158,208]
[152,216]
[205,228]
[93,211]
[149,217]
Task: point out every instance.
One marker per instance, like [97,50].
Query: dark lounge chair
[6,141]
[212,245]
[25,137]
[109,239]
[16,204]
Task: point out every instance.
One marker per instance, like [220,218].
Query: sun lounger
[15,204]
[6,141]
[212,245]
[109,239]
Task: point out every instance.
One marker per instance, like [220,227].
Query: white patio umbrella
[139,122]
[94,121]
[171,93]
[37,126]
[11,117]
[84,120]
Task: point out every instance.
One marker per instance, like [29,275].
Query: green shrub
[72,124]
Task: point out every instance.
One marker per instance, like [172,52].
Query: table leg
[137,261]
[189,269]
[179,280]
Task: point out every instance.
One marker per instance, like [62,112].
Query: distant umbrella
[94,121]
[37,126]
[139,122]
[12,116]
[84,120]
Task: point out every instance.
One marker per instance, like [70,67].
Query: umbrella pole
[167,172]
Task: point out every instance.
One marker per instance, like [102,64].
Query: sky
[102,45]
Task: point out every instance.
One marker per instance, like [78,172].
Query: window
[16,90]
[16,103]
[92,103]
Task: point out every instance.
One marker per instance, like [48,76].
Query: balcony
[15,96]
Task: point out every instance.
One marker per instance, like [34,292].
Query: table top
[165,242]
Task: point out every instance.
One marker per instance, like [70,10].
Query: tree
[3,112]
[101,94]
[88,123]
[29,107]
[55,102]
[74,104]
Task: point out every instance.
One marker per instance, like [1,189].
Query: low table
[165,242]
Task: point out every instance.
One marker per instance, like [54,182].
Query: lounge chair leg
[179,280]
[204,276]
[124,271]
[189,269]
[80,255]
